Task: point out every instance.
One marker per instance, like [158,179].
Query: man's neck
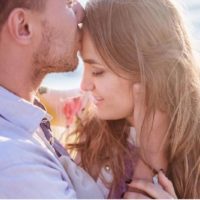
[20,85]
[17,69]
[23,93]
[19,79]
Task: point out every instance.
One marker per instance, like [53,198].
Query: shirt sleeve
[29,180]
[27,170]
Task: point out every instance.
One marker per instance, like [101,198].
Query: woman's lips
[97,100]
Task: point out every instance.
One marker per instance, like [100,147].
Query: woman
[136,49]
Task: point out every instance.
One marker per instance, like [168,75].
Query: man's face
[57,50]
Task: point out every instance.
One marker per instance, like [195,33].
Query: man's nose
[79,11]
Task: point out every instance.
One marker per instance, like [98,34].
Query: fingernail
[162,170]
[128,181]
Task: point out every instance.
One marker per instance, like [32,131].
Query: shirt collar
[20,112]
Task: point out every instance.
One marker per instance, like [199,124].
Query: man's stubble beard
[45,61]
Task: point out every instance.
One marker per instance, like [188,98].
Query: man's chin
[61,67]
[64,68]
[75,64]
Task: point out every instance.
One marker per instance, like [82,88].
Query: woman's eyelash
[97,73]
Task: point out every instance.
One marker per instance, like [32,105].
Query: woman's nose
[87,85]
[79,11]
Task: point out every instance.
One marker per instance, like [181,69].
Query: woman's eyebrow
[91,61]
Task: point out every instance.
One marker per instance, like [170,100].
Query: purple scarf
[118,191]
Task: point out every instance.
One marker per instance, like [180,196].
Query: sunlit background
[72,80]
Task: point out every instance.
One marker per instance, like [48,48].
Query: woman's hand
[148,190]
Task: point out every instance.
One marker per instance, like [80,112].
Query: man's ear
[19,26]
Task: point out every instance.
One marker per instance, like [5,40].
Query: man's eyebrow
[90,61]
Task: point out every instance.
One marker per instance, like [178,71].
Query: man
[36,37]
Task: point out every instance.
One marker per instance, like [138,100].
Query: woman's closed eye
[97,73]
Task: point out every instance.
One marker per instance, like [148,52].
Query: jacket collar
[20,112]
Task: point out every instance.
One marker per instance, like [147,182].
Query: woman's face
[112,94]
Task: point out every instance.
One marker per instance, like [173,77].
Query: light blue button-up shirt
[27,169]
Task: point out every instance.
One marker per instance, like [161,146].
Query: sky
[83,2]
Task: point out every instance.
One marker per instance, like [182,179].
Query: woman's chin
[105,116]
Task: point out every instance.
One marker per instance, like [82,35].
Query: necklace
[154,172]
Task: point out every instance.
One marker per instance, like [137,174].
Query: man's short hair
[6,7]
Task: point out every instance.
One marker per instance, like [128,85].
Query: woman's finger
[134,195]
[166,184]
[153,190]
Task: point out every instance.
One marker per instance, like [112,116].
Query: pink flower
[71,109]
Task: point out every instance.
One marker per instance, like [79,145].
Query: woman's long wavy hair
[147,38]
[103,143]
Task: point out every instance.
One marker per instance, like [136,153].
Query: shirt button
[107,168]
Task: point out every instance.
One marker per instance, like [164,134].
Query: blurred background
[65,81]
